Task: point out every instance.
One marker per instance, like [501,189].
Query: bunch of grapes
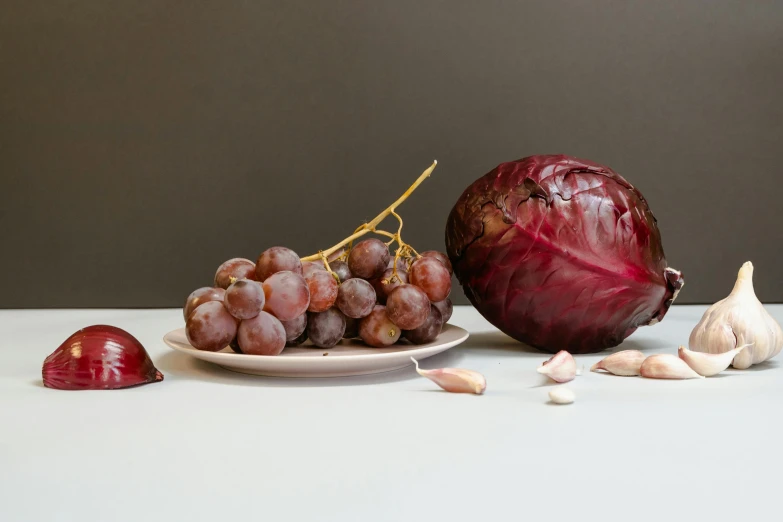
[365,292]
[346,292]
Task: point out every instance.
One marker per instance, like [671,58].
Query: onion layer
[99,357]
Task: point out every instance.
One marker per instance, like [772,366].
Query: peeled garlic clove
[625,363]
[99,357]
[666,366]
[561,367]
[708,364]
[561,395]
[455,380]
[738,320]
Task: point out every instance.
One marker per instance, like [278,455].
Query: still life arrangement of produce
[559,253]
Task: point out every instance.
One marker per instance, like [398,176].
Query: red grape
[277,259]
[446,308]
[408,307]
[337,254]
[201,296]
[351,328]
[210,327]
[294,327]
[287,295]
[388,282]
[430,275]
[341,269]
[377,330]
[427,331]
[440,256]
[244,298]
[368,258]
[235,346]
[375,282]
[308,267]
[262,335]
[403,263]
[355,298]
[325,329]
[299,340]
[239,268]
[323,290]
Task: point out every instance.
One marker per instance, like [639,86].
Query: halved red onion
[99,357]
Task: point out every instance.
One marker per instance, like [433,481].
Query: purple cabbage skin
[560,253]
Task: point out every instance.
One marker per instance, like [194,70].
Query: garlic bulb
[737,320]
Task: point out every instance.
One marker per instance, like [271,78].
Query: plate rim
[274,359]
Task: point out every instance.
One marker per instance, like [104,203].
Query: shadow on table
[501,345]
[180,366]
[643,345]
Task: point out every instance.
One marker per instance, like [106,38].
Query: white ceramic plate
[347,358]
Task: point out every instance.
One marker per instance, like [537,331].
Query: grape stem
[327,267]
[370,227]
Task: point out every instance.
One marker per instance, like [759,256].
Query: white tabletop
[210,445]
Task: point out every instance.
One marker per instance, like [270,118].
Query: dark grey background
[142,143]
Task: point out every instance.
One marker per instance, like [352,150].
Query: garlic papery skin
[626,363]
[738,320]
[455,380]
[561,367]
[708,364]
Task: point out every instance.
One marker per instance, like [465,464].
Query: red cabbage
[560,253]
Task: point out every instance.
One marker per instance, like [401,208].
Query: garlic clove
[745,360]
[667,366]
[737,320]
[455,380]
[561,395]
[561,367]
[625,363]
[708,364]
